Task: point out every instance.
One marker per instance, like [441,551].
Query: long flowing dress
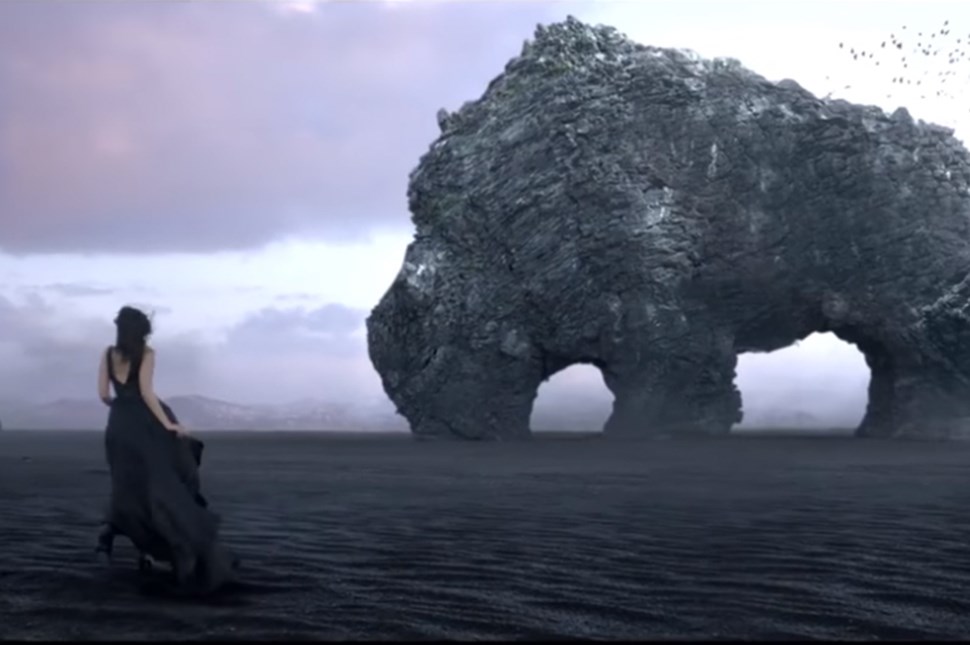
[155,499]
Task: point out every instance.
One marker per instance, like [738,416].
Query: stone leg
[880,417]
[914,396]
[485,396]
[675,395]
[931,406]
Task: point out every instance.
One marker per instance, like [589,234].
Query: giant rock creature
[656,214]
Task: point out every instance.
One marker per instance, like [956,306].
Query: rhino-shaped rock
[655,214]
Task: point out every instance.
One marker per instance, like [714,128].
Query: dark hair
[134,328]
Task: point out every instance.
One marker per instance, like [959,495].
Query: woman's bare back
[121,366]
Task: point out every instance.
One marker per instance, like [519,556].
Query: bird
[935,55]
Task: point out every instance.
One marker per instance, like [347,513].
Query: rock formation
[655,214]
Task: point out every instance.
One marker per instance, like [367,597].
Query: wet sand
[378,537]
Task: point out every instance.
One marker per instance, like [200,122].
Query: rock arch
[819,383]
[656,214]
[572,400]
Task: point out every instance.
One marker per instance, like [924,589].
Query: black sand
[380,537]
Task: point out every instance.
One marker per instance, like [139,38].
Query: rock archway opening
[818,384]
[572,400]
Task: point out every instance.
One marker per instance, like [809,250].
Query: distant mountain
[203,413]
[212,414]
[578,412]
[63,414]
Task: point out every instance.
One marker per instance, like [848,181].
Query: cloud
[46,353]
[272,355]
[73,290]
[280,354]
[332,330]
[145,126]
[285,354]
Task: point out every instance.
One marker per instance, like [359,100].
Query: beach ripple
[375,538]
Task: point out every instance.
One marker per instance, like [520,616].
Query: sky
[240,170]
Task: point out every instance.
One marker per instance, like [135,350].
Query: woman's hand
[176,428]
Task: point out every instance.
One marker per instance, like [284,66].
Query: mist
[818,383]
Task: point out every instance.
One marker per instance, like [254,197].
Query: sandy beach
[377,537]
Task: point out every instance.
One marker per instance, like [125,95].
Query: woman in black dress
[155,501]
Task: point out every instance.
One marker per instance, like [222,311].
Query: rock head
[655,214]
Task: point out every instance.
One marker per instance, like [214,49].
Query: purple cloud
[144,126]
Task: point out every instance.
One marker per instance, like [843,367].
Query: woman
[155,500]
[190,463]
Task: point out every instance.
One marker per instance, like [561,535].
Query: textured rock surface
[656,214]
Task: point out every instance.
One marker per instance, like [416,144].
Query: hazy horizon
[240,170]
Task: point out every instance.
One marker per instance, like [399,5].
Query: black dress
[155,500]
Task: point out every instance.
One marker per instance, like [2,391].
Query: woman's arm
[104,389]
[145,376]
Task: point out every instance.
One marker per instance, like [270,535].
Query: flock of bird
[934,63]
